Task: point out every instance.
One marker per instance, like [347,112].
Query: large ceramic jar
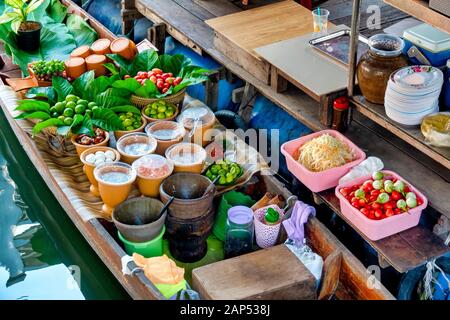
[376,65]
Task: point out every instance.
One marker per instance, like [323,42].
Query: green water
[42,254]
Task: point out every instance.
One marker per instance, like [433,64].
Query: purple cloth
[294,226]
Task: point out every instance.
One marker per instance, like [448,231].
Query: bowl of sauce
[132,146]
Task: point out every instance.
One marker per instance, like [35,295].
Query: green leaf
[173,64]
[130,84]
[33,105]
[42,92]
[86,127]
[111,67]
[36,115]
[106,119]
[77,122]
[83,33]
[83,84]
[7,17]
[57,11]
[62,87]
[16,4]
[148,90]
[107,99]
[124,64]
[33,5]
[144,61]
[119,109]
[52,122]
[15,24]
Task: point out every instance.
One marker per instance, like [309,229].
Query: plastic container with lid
[132,146]
[82,52]
[187,157]
[166,133]
[433,43]
[239,231]
[101,46]
[198,120]
[151,171]
[95,62]
[340,114]
[75,67]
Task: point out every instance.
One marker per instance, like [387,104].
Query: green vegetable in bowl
[399,186]
[383,198]
[228,171]
[377,175]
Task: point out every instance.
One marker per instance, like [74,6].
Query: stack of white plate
[413,93]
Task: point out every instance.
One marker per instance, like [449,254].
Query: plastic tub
[152,248]
[132,146]
[166,133]
[187,157]
[319,181]
[379,229]
[151,171]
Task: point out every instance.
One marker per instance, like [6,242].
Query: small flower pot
[29,36]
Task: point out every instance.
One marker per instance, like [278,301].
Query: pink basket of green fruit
[381,205]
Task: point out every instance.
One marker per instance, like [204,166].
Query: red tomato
[364,211]
[378,213]
[406,189]
[390,205]
[170,80]
[352,194]
[375,193]
[389,213]
[170,74]
[372,215]
[164,90]
[362,202]
[397,210]
[372,198]
[396,195]
[376,206]
[344,191]
[419,201]
[157,71]
[355,204]
[140,73]
[153,79]
[160,84]
[177,81]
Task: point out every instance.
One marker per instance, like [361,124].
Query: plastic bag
[436,129]
[312,261]
[365,168]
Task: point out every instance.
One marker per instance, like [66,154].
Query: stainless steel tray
[336,45]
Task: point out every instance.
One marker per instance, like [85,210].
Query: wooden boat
[64,176]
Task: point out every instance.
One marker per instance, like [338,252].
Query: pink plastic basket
[319,181]
[379,229]
[266,235]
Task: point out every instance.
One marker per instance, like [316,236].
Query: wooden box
[270,274]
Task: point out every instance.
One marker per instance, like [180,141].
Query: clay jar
[166,133]
[376,65]
[95,62]
[151,171]
[187,157]
[124,47]
[114,184]
[81,147]
[101,46]
[89,167]
[81,52]
[75,67]
[132,146]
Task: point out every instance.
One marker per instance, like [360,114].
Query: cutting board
[238,34]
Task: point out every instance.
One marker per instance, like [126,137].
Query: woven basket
[175,99]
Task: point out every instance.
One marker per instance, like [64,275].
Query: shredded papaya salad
[324,152]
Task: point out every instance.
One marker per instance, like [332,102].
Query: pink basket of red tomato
[381,205]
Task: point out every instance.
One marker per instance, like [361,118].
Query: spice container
[95,62]
[101,46]
[151,170]
[75,67]
[124,47]
[81,52]
[166,133]
[340,114]
[132,146]
[198,121]
[187,157]
[239,231]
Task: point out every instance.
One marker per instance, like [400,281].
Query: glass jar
[239,231]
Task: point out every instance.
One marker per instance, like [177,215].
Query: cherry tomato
[157,71]
[389,213]
[389,205]
[395,195]
[372,198]
[419,201]
[177,81]
[127,76]
[355,204]
[164,90]
[160,84]
[140,73]
[364,211]
[378,213]
[397,210]
[362,202]
[372,215]
[352,194]
[375,192]
[344,191]
[170,80]
[170,74]
[153,79]
[406,189]
[376,206]
[354,199]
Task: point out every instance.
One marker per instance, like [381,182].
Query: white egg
[99,162]
[110,155]
[100,156]
[90,158]
[108,160]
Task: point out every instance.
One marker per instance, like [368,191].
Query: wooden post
[277,82]
[157,35]
[212,90]
[129,14]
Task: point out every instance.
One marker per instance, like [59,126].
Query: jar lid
[191,115]
[153,166]
[341,103]
[240,215]
[386,45]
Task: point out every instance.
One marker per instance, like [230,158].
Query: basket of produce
[160,110]
[381,205]
[228,171]
[150,77]
[320,159]
[131,123]
[43,71]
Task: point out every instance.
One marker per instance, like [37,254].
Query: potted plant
[28,32]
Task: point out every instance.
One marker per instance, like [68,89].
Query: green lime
[137,125]
[222,180]
[171,108]
[155,106]
[68,121]
[55,115]
[127,123]
[71,105]
[62,118]
[129,114]
[169,114]
[91,105]
[60,106]
[122,117]
[129,128]
[161,116]
[83,102]
[80,109]
[162,109]
[53,109]
[147,111]
[162,102]
[153,112]
[72,97]
[68,112]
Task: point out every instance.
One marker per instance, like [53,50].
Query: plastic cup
[152,248]
[320,20]
[187,157]
[129,146]
[151,171]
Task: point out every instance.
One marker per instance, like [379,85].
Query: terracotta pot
[75,67]
[114,192]
[80,147]
[101,46]
[166,133]
[95,62]
[88,168]
[124,47]
[377,64]
[81,52]
[187,157]
[120,133]
[151,171]
[133,138]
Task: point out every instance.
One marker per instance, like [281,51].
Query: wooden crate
[237,35]
[274,273]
